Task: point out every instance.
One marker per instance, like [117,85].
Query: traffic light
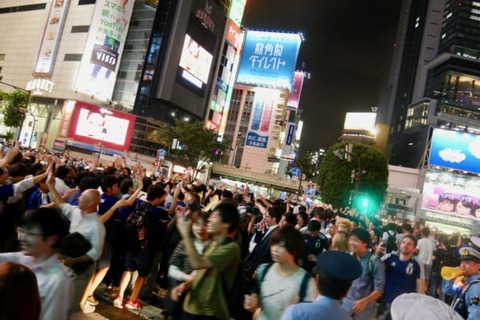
[365,203]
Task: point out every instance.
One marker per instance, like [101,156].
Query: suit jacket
[260,254]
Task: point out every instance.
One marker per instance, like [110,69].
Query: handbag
[75,245]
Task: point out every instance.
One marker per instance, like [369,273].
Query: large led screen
[269,59]
[93,125]
[455,150]
[451,193]
[195,61]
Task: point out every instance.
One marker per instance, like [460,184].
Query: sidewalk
[106,311]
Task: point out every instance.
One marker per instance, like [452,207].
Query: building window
[80,29]
[73,57]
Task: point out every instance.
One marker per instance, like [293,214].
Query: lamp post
[340,153]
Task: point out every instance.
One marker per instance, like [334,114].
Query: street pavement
[106,311]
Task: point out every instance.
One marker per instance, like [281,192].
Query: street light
[341,153]
[299,165]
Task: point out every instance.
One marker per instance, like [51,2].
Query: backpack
[303,286]
[137,227]
[391,244]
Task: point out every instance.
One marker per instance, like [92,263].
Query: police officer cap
[340,265]
[416,306]
[469,253]
[475,240]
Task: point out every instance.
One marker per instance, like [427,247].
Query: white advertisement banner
[51,37]
[106,39]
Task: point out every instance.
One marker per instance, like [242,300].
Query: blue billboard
[455,150]
[269,59]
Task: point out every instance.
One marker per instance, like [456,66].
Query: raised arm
[11,153]
[56,197]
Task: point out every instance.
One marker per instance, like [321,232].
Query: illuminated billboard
[195,62]
[100,60]
[236,11]
[51,37]
[455,150]
[93,125]
[451,193]
[360,121]
[294,96]
[269,59]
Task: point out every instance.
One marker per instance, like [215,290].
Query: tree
[196,144]
[338,178]
[13,107]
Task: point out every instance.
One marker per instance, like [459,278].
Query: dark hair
[108,181]
[314,225]
[110,171]
[410,237]
[227,194]
[89,182]
[426,231]
[304,216]
[290,238]
[34,168]
[18,169]
[154,192]
[62,172]
[332,287]
[125,185]
[128,170]
[276,212]
[228,213]
[18,284]
[50,221]
[147,183]
[290,218]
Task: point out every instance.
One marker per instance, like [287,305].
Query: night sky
[348,49]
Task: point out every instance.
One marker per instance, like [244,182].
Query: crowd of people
[211,252]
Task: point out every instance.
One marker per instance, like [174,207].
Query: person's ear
[52,240]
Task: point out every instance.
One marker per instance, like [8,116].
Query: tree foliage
[197,144]
[13,105]
[335,178]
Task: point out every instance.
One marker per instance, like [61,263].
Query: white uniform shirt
[89,226]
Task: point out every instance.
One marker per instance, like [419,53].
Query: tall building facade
[434,78]
[158,60]
[429,113]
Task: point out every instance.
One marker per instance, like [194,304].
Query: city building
[142,61]
[433,92]
[359,127]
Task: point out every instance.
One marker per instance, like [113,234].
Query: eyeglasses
[28,233]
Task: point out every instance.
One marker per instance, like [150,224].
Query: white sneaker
[87,308]
[118,303]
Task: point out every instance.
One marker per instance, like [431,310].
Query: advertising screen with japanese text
[269,59]
[106,38]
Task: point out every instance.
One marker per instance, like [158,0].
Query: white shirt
[61,186]
[55,284]
[89,226]
[426,247]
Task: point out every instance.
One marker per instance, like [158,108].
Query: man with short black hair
[216,270]
[41,233]
[361,298]
[315,243]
